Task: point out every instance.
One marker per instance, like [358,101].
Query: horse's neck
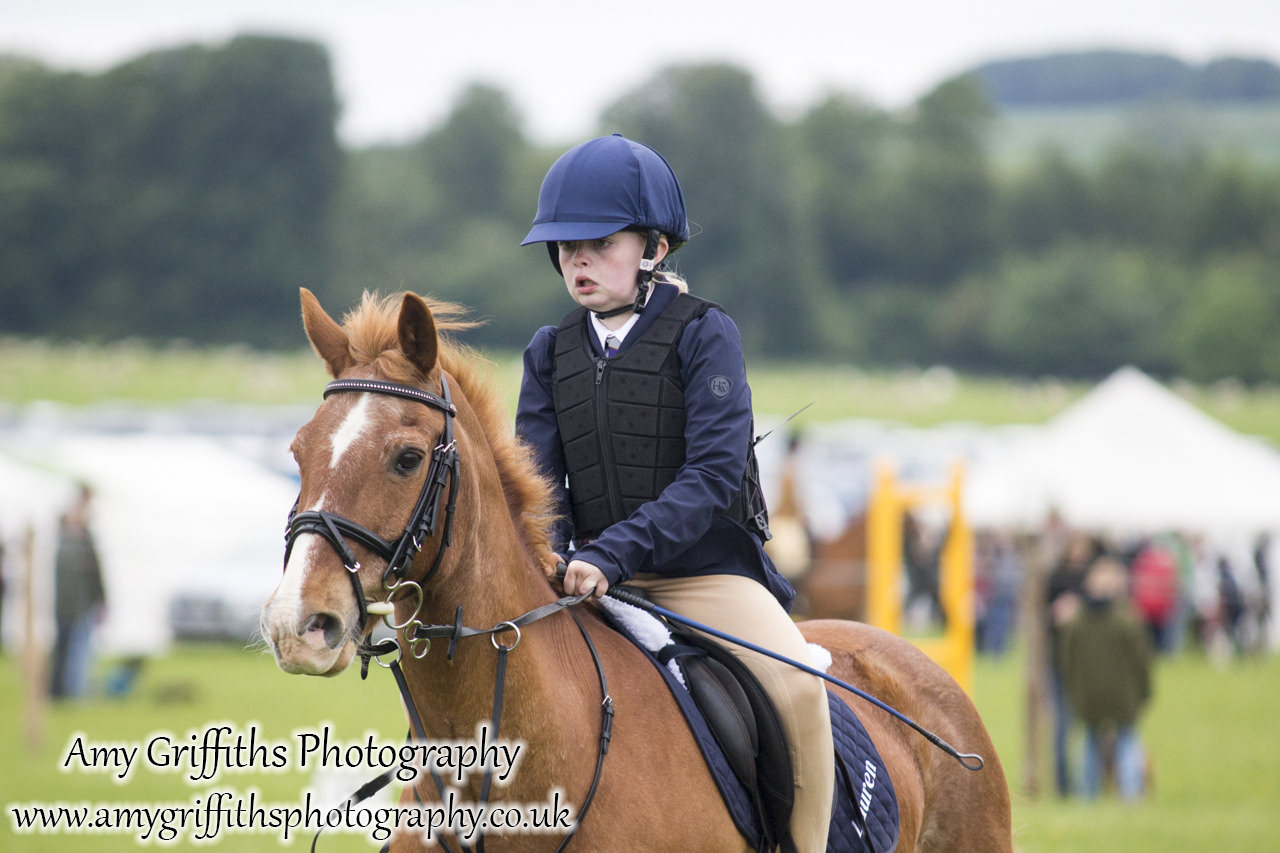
[491,578]
[549,694]
[549,681]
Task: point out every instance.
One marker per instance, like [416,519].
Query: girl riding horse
[639,402]
[418,505]
[472,573]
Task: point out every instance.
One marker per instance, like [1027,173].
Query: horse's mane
[372,337]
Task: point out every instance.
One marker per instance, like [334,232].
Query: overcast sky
[400,64]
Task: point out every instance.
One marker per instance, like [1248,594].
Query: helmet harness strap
[645,275]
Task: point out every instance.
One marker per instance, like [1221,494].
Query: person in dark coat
[79,599]
[1106,656]
[1062,601]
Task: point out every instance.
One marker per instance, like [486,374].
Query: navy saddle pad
[865,816]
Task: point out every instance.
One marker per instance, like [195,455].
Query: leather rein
[399,556]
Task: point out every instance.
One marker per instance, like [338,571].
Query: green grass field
[193,689]
[135,374]
[1211,733]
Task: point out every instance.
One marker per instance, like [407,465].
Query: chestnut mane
[373,341]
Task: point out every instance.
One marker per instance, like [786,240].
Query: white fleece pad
[819,658]
[647,629]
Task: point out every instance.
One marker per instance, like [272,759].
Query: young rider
[638,408]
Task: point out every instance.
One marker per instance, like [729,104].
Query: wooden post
[1037,641]
[33,668]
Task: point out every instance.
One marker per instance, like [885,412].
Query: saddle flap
[733,702]
[728,713]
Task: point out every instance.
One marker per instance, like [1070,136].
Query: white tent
[29,495]
[1129,456]
[173,513]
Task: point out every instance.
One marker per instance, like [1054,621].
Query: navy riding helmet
[606,185]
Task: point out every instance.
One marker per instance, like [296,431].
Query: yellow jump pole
[884,551]
[889,501]
[956,584]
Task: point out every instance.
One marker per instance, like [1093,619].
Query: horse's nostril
[328,625]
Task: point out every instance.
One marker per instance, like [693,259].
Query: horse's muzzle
[318,643]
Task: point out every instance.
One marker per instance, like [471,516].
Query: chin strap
[645,275]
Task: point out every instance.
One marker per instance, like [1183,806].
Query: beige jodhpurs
[745,608]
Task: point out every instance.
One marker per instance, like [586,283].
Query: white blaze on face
[351,428]
[288,596]
[286,604]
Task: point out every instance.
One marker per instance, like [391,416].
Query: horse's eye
[408,461]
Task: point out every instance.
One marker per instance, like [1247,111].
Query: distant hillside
[1110,77]
[1087,132]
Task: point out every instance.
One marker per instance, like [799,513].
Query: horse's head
[364,460]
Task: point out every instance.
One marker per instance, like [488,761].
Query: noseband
[399,554]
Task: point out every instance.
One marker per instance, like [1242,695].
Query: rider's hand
[582,578]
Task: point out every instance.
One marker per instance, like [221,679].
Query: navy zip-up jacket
[685,531]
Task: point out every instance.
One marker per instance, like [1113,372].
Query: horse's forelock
[373,336]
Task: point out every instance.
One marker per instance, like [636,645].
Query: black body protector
[622,422]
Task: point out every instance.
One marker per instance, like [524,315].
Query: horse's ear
[326,336]
[417,331]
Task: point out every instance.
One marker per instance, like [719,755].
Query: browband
[376,386]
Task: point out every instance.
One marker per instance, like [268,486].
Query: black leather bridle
[399,554]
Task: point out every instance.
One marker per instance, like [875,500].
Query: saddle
[741,738]
[745,725]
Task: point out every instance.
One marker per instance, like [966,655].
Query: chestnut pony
[364,459]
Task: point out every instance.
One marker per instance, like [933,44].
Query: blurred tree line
[188,193]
